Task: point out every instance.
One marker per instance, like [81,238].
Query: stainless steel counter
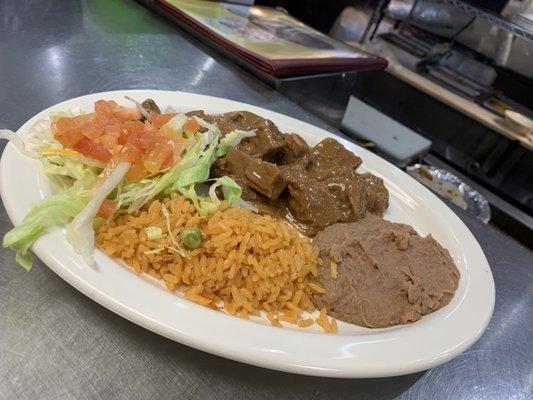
[57,344]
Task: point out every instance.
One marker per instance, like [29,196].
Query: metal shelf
[494,19]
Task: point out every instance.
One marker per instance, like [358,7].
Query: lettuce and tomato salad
[115,160]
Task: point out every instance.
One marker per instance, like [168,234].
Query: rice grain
[247,264]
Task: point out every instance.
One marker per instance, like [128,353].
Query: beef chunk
[253,175]
[311,203]
[248,193]
[295,148]
[265,178]
[236,162]
[219,168]
[331,151]
[323,187]
[328,159]
[349,192]
[196,113]
[267,143]
[233,163]
[321,203]
[377,195]
[293,172]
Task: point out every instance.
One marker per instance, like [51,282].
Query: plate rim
[270,361]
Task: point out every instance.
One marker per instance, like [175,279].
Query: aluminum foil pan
[454,189]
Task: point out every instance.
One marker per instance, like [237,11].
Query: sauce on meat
[311,187]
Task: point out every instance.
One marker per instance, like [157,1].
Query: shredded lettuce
[16,140]
[80,232]
[244,204]
[177,122]
[232,191]
[56,210]
[210,127]
[200,171]
[232,139]
[75,175]
[79,200]
[177,248]
[42,131]
[209,204]
[64,171]
[135,195]
[192,170]
[39,137]
[58,155]
[56,115]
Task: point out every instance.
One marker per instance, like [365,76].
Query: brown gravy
[311,187]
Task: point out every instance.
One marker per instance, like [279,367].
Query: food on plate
[224,208]
[191,238]
[109,162]
[382,273]
[313,187]
[247,262]
[150,106]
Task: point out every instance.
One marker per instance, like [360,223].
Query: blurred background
[456,97]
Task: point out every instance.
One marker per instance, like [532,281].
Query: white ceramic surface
[354,352]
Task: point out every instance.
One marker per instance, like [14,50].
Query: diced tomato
[127,114]
[129,153]
[69,138]
[133,127]
[114,134]
[92,149]
[103,112]
[66,130]
[70,123]
[123,139]
[113,129]
[155,159]
[191,125]
[104,107]
[149,128]
[140,140]
[110,138]
[108,141]
[63,125]
[136,173]
[168,162]
[158,120]
[107,209]
[92,131]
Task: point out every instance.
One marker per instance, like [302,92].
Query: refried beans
[384,273]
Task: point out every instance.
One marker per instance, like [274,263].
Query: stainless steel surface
[57,344]
[488,34]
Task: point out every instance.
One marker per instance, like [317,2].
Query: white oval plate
[354,352]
